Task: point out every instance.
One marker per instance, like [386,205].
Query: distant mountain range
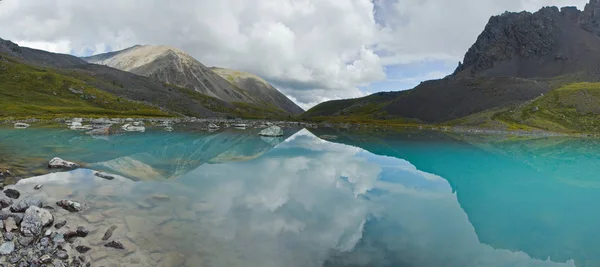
[141,80]
[520,60]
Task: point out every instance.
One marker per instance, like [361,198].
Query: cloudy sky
[312,50]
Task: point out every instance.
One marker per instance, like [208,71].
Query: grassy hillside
[571,108]
[27,91]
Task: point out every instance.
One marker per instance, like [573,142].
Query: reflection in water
[154,155]
[308,202]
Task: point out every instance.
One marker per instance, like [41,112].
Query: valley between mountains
[526,71]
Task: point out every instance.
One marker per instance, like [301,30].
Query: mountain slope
[26,90]
[258,88]
[121,84]
[173,66]
[517,58]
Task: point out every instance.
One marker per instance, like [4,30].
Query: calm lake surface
[232,198]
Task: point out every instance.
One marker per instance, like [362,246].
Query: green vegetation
[572,108]
[27,91]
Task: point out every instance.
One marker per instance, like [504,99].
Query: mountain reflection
[535,195]
[310,202]
[154,155]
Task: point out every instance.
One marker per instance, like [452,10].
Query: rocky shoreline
[34,233]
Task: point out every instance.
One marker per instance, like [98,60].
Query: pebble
[38,187]
[7,248]
[115,245]
[5,202]
[45,259]
[60,224]
[82,249]
[109,232]
[12,193]
[26,241]
[104,175]
[8,236]
[61,255]
[69,205]
[10,224]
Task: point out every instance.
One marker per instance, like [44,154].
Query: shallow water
[404,199]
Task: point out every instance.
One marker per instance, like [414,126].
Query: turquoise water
[397,199]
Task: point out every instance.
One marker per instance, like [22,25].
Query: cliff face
[547,43]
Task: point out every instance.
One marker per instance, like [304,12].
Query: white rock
[35,220]
[20,125]
[7,248]
[58,163]
[272,131]
[129,120]
[80,120]
[132,128]
[213,126]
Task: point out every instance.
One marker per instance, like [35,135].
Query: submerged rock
[115,245]
[100,131]
[12,193]
[82,249]
[60,224]
[69,205]
[109,232]
[104,175]
[272,131]
[35,219]
[58,163]
[38,187]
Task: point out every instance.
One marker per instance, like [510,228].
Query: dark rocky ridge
[516,58]
[547,43]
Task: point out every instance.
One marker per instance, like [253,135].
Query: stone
[14,259]
[58,238]
[7,248]
[213,126]
[109,232]
[132,128]
[45,259]
[20,125]
[12,193]
[172,259]
[26,240]
[5,202]
[69,205]
[79,232]
[8,236]
[104,175]
[272,131]
[10,224]
[35,219]
[60,224]
[23,204]
[58,163]
[61,254]
[114,244]
[45,241]
[37,187]
[82,249]
[48,232]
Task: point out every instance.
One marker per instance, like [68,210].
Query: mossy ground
[28,91]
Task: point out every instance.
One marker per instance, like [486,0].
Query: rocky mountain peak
[546,43]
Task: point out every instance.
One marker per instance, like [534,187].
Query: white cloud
[313,50]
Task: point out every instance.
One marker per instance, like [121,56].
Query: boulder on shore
[58,163]
[272,131]
[20,125]
[35,220]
